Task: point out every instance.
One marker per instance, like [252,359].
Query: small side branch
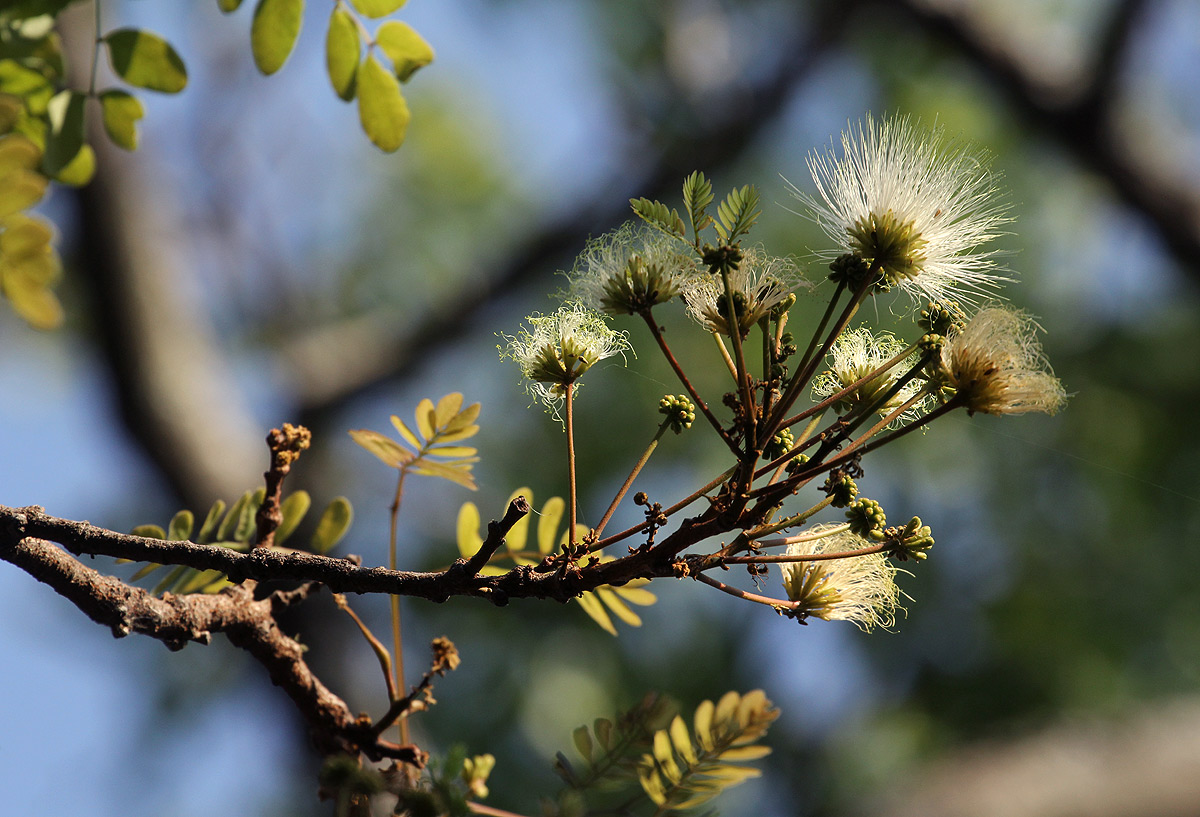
[517,509]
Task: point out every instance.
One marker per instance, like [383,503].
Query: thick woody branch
[249,623]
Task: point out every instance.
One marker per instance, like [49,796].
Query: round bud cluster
[912,541]
[841,489]
[679,411]
[931,342]
[867,519]
[780,444]
[796,463]
[941,318]
[850,268]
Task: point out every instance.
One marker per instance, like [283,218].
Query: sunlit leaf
[121,114]
[80,170]
[228,5]
[246,524]
[382,111]
[390,452]
[618,607]
[150,531]
[447,409]
[145,60]
[452,451]
[20,189]
[548,522]
[293,509]
[407,50]
[332,526]
[424,416]
[377,8]
[342,51]
[459,474]
[407,433]
[469,539]
[595,610]
[274,32]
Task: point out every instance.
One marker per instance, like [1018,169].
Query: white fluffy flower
[913,205]
[631,269]
[861,589]
[556,349]
[857,353]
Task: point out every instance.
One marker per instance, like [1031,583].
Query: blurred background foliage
[256,262]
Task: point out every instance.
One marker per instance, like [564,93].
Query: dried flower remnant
[861,589]
[917,208]
[995,365]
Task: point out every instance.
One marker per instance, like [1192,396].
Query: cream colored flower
[857,353]
[916,207]
[759,284]
[995,365]
[631,269]
[861,589]
[557,349]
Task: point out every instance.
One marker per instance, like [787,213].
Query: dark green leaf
[342,50]
[228,5]
[145,60]
[121,114]
[334,523]
[381,107]
[246,524]
[65,138]
[274,31]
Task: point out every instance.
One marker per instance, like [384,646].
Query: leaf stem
[397,633]
[570,410]
[637,467]
[97,42]
[687,384]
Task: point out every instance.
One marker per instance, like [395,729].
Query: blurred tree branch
[327,367]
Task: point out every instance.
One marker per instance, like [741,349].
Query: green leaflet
[121,111]
[382,111]
[407,49]
[436,428]
[377,8]
[274,32]
[684,770]
[342,51]
[145,60]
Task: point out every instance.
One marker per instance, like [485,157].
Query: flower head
[856,354]
[995,365]
[861,589]
[557,349]
[760,283]
[631,269]
[917,209]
